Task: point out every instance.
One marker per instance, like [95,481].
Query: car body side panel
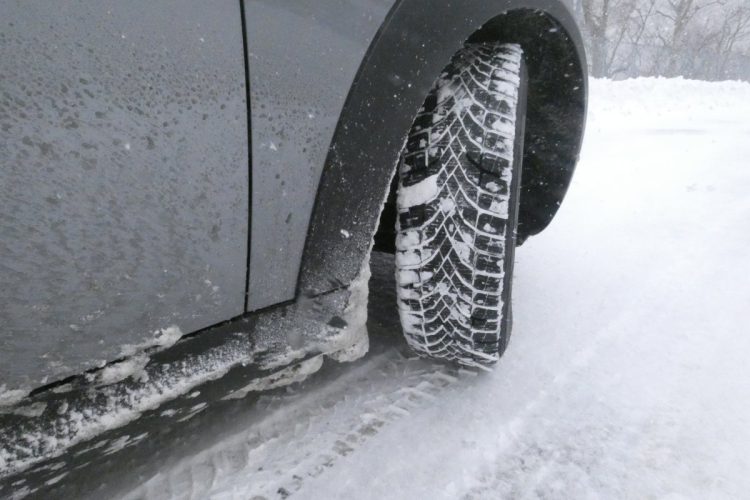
[123,178]
[303,57]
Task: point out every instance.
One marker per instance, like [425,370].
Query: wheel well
[396,74]
[556,112]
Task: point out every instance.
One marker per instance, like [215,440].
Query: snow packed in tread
[454,193]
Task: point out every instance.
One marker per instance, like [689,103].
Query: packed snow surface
[627,375]
[419,193]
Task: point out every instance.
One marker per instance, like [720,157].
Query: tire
[458,192]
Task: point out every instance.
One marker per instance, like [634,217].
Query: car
[190,191]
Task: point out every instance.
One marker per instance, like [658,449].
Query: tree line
[701,39]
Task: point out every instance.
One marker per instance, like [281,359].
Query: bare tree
[695,38]
[680,14]
[734,30]
[607,23]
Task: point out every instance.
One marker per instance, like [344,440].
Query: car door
[124,178]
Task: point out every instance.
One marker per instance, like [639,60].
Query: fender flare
[396,75]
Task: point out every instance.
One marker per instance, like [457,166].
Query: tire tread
[450,248]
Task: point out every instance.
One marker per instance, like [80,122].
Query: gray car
[190,190]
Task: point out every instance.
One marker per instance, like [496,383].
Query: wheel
[457,201]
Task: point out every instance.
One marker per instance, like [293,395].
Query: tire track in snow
[274,457]
[388,409]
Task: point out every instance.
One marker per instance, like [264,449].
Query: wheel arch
[397,73]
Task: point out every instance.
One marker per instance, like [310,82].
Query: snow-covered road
[628,375]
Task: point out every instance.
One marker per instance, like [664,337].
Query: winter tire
[458,191]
